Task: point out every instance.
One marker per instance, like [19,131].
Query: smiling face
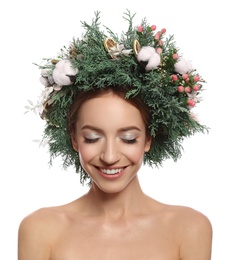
[110,137]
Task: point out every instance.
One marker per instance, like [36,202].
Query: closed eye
[90,140]
[129,141]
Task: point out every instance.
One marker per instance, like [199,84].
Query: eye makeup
[129,138]
[91,137]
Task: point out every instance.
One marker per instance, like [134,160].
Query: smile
[111,171]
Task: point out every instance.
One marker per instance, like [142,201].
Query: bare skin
[115,220]
[141,228]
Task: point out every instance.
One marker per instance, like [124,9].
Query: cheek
[135,153]
[88,153]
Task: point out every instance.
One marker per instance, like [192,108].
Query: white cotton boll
[57,87]
[183,66]
[145,53]
[50,79]
[154,62]
[149,54]
[62,71]
[44,81]
[45,72]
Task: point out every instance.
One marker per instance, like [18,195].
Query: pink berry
[196,88]
[159,50]
[196,78]
[180,89]
[160,42]
[191,102]
[174,77]
[187,89]
[153,27]
[175,56]
[157,36]
[184,76]
[140,28]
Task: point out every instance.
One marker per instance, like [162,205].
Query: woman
[109,108]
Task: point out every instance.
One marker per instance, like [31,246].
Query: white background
[32,30]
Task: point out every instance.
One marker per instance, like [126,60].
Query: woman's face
[110,138]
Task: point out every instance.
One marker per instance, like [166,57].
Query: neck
[118,204]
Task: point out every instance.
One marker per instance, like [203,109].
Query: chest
[133,241]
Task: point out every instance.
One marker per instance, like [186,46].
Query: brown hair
[83,96]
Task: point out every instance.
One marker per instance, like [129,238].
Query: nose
[110,153]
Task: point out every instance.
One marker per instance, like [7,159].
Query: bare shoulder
[186,216]
[38,231]
[49,219]
[179,216]
[41,218]
[194,231]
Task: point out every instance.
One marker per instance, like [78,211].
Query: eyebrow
[124,129]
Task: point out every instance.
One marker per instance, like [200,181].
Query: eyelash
[90,141]
[127,141]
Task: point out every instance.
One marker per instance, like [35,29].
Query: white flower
[63,72]
[149,54]
[126,52]
[194,96]
[183,66]
[44,96]
[31,107]
[42,99]
[194,116]
[117,49]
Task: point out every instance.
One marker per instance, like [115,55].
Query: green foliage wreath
[143,58]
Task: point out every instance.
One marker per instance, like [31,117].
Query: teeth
[111,171]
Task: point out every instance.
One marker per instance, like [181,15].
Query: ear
[148,143]
[74,142]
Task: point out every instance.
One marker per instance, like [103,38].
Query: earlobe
[74,142]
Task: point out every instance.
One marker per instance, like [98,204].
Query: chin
[113,187]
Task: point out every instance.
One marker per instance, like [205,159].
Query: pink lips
[112,176]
